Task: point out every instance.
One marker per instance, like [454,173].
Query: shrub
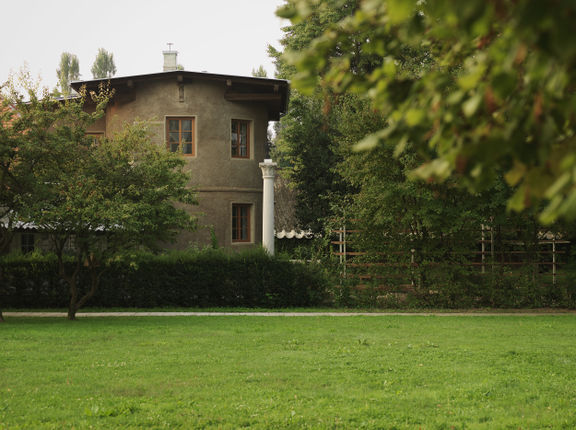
[207,278]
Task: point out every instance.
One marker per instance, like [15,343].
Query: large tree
[307,144]
[494,92]
[68,71]
[103,66]
[97,198]
[21,116]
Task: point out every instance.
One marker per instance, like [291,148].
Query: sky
[215,36]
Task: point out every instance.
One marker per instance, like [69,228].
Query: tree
[260,72]
[103,66]
[102,197]
[307,144]
[24,119]
[9,184]
[308,151]
[493,92]
[68,71]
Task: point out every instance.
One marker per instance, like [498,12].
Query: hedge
[210,278]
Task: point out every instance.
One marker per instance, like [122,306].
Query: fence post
[412,251]
[554,260]
[483,250]
[344,247]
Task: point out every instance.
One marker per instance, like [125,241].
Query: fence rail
[487,254]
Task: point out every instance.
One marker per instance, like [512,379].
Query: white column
[268,173]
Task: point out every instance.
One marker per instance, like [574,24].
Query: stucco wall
[219,179]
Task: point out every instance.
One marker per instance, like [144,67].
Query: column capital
[268,168]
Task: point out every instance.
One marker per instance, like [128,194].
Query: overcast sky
[217,36]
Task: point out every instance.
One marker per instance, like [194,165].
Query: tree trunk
[75,302]
[73,305]
[1,317]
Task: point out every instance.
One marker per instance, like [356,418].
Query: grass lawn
[294,372]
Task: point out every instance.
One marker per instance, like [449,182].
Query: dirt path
[285,314]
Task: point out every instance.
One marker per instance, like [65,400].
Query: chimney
[170,59]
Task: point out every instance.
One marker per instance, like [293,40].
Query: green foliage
[105,197]
[68,71]
[480,89]
[208,278]
[103,66]
[307,147]
[308,142]
[260,72]
[37,135]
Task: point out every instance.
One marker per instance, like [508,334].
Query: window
[27,242]
[95,137]
[241,222]
[180,135]
[240,138]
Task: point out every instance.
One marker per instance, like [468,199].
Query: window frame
[180,144]
[237,222]
[96,136]
[248,124]
[27,243]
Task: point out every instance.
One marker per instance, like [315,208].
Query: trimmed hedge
[210,278]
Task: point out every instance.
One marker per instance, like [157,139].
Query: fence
[490,253]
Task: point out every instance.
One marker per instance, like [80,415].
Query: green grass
[305,310]
[299,372]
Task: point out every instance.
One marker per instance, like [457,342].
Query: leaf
[368,143]
[550,213]
[400,146]
[470,106]
[400,10]
[558,185]
[514,175]
[414,117]
[372,140]
[389,67]
[517,202]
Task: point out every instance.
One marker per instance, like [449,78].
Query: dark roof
[271,92]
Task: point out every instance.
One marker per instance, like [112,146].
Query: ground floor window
[27,242]
[241,222]
[94,137]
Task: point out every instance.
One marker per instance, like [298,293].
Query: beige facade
[209,108]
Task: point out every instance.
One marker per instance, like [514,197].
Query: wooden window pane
[174,137]
[180,135]
[27,242]
[240,138]
[174,125]
[186,125]
[187,137]
[241,223]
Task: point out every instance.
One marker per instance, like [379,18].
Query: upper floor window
[180,135]
[240,138]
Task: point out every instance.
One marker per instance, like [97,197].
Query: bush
[457,287]
[208,278]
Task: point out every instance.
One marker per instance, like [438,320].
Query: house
[219,125]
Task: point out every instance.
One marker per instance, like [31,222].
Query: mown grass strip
[315,372]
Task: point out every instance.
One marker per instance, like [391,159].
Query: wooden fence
[487,256]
